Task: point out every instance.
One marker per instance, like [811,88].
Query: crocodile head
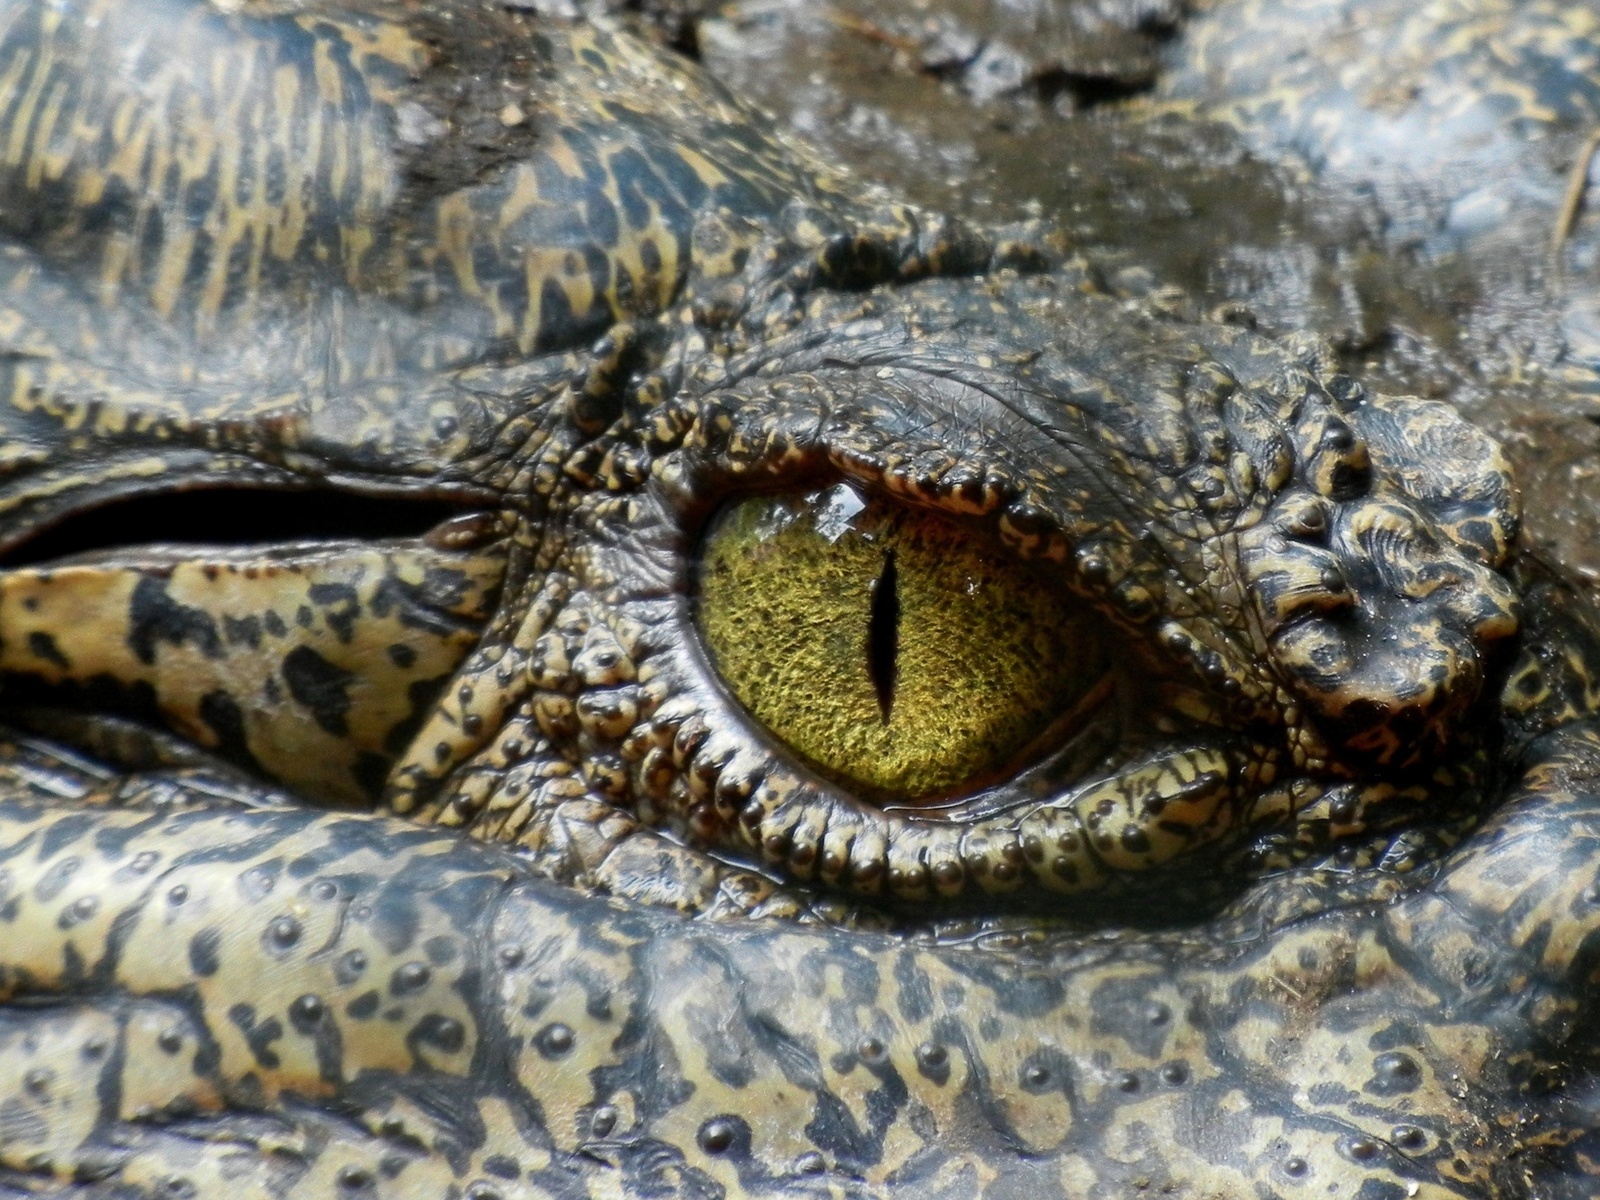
[859,709]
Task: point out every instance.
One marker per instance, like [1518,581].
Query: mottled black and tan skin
[1313,914]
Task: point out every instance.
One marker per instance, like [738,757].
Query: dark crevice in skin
[883,636]
[1090,91]
[234,516]
[672,23]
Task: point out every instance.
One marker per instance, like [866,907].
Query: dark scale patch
[439,1032]
[638,186]
[674,177]
[625,289]
[469,894]
[223,716]
[409,977]
[394,919]
[728,1055]
[502,1166]
[364,1006]
[1034,994]
[242,631]
[154,617]
[1119,1008]
[650,258]
[56,878]
[199,202]
[795,1058]
[916,991]
[596,985]
[557,325]
[601,218]
[43,645]
[341,607]
[237,272]
[858,973]
[62,834]
[1394,1073]
[351,966]
[21,1123]
[204,950]
[258,1035]
[834,1131]
[1047,1071]
[402,656]
[274,625]
[885,1102]
[420,695]
[74,968]
[320,686]
[1395,1035]
[441,950]
[1380,1189]
[1330,1094]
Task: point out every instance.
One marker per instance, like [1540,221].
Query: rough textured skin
[1441,92]
[1312,910]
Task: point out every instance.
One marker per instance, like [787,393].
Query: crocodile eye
[895,649]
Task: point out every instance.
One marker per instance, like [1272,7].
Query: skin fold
[441,859]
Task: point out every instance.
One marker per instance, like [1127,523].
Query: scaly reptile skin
[1315,917]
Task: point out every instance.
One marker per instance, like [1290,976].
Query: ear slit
[883,636]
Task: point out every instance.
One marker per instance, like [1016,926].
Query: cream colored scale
[312,659]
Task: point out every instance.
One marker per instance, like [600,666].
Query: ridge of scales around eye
[948,730]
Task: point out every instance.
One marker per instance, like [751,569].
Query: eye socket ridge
[1143,766]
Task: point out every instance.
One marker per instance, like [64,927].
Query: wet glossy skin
[1271,182]
[1314,915]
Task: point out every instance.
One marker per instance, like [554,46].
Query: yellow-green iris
[893,647]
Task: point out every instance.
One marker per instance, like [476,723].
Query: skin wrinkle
[1027,426]
[1023,430]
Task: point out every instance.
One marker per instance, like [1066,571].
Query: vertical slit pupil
[883,635]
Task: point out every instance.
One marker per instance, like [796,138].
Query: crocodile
[553,645]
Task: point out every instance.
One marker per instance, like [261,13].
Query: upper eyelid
[1019,460]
